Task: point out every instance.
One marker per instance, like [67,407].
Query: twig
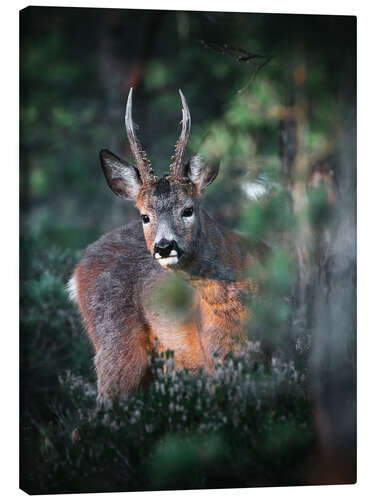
[258,61]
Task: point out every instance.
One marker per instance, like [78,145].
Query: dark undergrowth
[244,426]
[250,424]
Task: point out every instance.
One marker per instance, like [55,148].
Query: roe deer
[118,275]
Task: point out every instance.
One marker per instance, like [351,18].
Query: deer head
[169,206]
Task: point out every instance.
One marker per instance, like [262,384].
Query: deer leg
[121,369]
[216,344]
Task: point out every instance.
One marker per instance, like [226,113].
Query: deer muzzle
[166,252]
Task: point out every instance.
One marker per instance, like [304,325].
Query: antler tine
[177,167]
[143,164]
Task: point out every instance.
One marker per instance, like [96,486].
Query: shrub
[246,425]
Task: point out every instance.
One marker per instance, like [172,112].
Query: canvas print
[188,250]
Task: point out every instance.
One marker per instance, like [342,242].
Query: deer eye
[145,219]
[187,212]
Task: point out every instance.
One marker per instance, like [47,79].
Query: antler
[143,164]
[177,166]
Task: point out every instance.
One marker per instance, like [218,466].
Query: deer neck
[215,263]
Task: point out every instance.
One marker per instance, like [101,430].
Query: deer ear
[122,177]
[199,173]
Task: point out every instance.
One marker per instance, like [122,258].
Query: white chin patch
[167,261]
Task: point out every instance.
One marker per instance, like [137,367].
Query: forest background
[273,98]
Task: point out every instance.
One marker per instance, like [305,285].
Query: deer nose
[164,248]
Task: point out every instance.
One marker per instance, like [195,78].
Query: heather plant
[246,424]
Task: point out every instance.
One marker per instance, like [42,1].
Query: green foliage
[51,331]
[174,298]
[179,460]
[259,220]
[319,207]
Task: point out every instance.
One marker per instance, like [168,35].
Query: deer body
[117,280]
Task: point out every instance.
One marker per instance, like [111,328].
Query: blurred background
[273,98]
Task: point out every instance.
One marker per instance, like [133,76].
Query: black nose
[164,247]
